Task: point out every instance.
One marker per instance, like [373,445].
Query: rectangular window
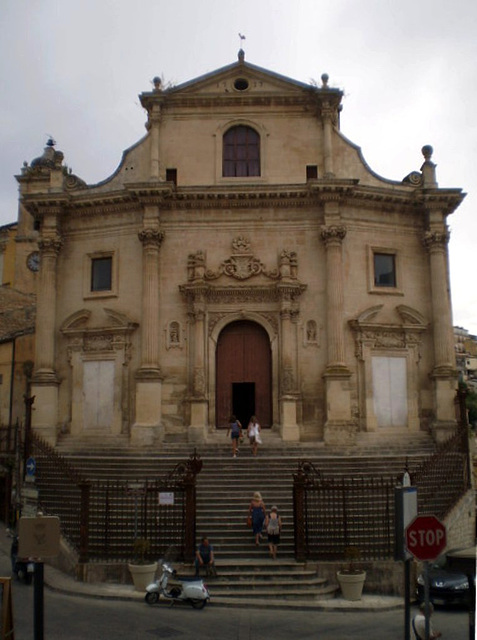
[311,172]
[101,274]
[384,270]
[171,176]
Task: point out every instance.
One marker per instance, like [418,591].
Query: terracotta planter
[142,574]
[351,584]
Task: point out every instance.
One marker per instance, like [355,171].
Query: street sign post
[426,537]
[426,540]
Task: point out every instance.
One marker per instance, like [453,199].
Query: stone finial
[157,82]
[427,152]
[324,79]
[428,169]
[241,55]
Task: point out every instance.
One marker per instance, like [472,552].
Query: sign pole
[407,599]
[426,597]
[38,602]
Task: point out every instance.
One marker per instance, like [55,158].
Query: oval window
[241,84]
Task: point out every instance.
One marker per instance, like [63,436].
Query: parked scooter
[169,586]
[23,568]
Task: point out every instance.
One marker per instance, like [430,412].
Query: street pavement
[77,611]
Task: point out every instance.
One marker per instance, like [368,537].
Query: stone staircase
[225,487]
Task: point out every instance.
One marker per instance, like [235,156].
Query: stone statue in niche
[310,333]
[174,335]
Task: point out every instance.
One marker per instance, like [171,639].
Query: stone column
[148,422]
[339,428]
[444,372]
[151,241]
[333,237]
[45,381]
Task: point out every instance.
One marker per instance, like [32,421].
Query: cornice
[444,200]
[222,100]
[242,196]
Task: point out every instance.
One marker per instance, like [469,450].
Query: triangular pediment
[240,78]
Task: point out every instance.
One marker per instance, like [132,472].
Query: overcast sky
[408,68]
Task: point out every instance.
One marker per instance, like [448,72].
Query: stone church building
[243,258]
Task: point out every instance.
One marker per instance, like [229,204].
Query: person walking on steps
[273,525]
[257,510]
[253,433]
[235,429]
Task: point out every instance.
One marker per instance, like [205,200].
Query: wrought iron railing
[333,514]
[445,476]
[102,520]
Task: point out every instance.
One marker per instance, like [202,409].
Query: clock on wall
[33,261]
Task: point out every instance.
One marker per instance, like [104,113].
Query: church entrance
[243,370]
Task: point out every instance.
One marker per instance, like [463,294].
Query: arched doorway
[243,374]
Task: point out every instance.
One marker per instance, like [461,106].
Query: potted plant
[351,578]
[142,570]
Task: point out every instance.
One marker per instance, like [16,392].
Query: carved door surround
[241,287]
[384,339]
[106,341]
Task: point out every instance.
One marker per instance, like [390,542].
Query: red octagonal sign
[426,537]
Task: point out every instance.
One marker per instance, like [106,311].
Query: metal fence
[333,514]
[104,520]
[445,476]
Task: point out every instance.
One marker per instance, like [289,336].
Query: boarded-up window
[390,391]
[98,389]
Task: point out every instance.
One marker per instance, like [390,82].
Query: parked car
[448,585]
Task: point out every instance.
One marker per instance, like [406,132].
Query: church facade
[243,259]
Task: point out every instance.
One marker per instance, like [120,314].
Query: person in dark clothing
[235,429]
[204,557]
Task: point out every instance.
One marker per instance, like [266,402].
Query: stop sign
[426,537]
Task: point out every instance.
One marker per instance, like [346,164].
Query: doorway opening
[243,401]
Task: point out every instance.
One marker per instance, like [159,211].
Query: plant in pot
[351,578]
[142,570]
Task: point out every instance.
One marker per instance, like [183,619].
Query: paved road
[83,618]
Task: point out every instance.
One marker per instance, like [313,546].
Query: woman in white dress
[253,433]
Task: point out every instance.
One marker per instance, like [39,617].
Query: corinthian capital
[150,237]
[51,245]
[333,234]
[436,239]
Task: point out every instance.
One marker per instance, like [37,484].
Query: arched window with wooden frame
[241,152]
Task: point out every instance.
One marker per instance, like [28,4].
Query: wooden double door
[244,374]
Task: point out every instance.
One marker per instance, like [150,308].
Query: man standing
[204,557]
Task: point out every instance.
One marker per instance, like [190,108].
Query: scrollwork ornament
[199,382]
[287,380]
